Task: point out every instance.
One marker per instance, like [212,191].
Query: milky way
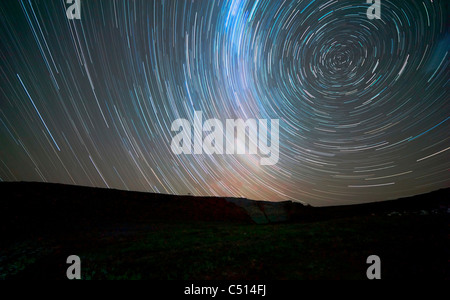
[364,105]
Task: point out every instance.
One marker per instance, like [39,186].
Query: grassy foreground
[410,247]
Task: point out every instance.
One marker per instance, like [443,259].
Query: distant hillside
[28,207]
[270,212]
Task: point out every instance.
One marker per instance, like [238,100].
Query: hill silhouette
[56,206]
[131,235]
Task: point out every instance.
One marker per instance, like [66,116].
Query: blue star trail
[364,105]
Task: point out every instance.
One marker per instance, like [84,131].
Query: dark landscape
[129,235]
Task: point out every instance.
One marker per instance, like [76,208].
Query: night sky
[364,105]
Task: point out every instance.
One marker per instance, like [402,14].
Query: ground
[411,246]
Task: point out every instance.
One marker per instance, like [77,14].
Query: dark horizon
[128,235]
[223,197]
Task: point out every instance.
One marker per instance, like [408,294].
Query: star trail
[363,104]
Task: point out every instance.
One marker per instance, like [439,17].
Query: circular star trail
[363,104]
